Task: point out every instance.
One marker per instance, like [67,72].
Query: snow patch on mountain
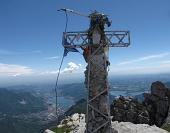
[23,102]
[48,131]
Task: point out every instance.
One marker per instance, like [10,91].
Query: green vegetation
[166,127]
[63,129]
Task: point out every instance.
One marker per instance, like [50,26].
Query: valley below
[32,108]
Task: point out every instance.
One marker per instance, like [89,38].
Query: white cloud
[52,58]
[14,70]
[49,72]
[166,62]
[71,67]
[144,58]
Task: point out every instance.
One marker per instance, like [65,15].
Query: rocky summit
[128,114]
[154,110]
[157,103]
[128,109]
[76,124]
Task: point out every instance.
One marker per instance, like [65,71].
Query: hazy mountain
[17,109]
[77,91]
[15,102]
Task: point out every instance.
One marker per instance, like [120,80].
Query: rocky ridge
[77,125]
[154,110]
[158,103]
[128,109]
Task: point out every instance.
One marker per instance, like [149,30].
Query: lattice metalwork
[97,93]
[94,43]
[113,38]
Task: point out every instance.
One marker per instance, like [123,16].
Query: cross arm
[80,38]
[118,38]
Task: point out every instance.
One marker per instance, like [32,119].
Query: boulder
[157,103]
[158,89]
[128,109]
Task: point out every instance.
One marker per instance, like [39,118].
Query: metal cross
[96,39]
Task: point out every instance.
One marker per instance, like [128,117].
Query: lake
[64,102]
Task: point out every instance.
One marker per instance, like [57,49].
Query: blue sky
[31,34]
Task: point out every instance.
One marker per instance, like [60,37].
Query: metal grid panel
[113,39]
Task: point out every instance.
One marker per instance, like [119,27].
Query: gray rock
[158,89]
[127,109]
[157,103]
